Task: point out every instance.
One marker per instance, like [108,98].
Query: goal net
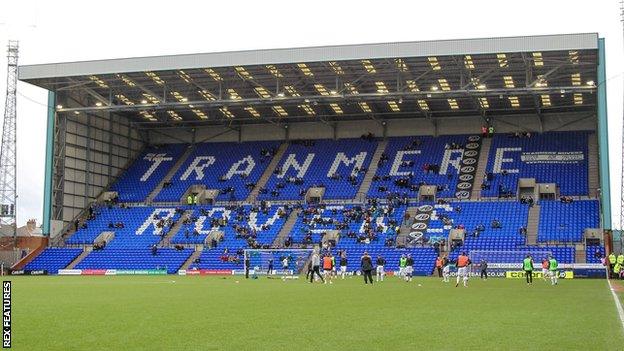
[261,260]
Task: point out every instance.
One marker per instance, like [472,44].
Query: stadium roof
[430,79]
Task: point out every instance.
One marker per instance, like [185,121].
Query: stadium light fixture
[98,81]
[252,111]
[308,109]
[434,88]
[545,100]
[184,76]
[153,76]
[381,87]
[243,73]
[453,104]
[321,89]
[412,86]
[336,68]
[199,113]
[538,61]
[274,71]
[468,62]
[333,92]
[578,99]
[394,106]
[292,91]
[509,82]
[144,102]
[337,109]
[233,94]
[224,110]
[513,100]
[444,84]
[207,95]
[262,92]
[423,105]
[124,99]
[174,115]
[76,112]
[365,107]
[401,65]
[576,78]
[483,101]
[574,57]
[213,74]
[281,94]
[280,111]
[502,60]
[58,107]
[305,70]
[98,104]
[435,65]
[590,83]
[368,65]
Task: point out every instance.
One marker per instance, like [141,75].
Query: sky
[61,31]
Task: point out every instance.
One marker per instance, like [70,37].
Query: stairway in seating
[533,224]
[484,155]
[372,169]
[286,229]
[406,228]
[85,252]
[593,177]
[170,174]
[267,173]
[579,253]
[166,241]
[195,255]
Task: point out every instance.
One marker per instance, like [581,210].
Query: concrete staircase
[166,241]
[593,177]
[533,224]
[406,228]
[170,174]
[484,155]
[286,228]
[195,255]
[579,254]
[372,169]
[267,172]
[85,252]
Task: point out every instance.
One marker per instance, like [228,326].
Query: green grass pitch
[214,313]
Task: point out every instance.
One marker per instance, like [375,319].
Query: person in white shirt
[446,273]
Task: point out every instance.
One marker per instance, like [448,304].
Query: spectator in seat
[496,224]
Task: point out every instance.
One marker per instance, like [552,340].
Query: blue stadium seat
[553,157]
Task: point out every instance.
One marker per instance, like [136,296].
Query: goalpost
[260,259]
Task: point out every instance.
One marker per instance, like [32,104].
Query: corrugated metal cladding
[583,41]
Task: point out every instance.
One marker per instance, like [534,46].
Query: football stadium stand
[222,232]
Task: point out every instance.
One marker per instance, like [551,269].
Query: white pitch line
[618,304]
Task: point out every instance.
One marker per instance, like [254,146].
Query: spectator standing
[367,268]
[484,266]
